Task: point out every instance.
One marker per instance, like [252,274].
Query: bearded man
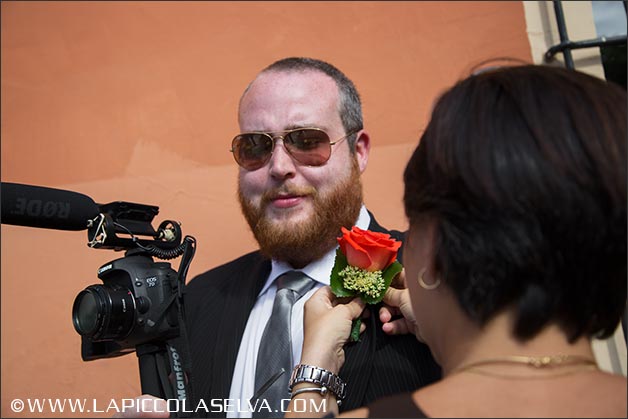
[301,151]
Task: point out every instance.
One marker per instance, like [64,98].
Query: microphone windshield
[37,206]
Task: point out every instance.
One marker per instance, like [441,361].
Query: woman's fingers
[396,327]
[395,297]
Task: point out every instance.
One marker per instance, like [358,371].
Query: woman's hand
[397,303]
[327,325]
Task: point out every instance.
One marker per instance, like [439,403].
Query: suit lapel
[356,371]
[239,300]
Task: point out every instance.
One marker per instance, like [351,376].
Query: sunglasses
[308,146]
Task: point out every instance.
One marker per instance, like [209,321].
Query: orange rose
[368,250]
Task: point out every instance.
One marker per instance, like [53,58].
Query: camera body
[139,301]
[133,306]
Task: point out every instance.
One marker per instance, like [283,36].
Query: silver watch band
[310,374]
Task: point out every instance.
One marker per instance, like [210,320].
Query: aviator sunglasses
[308,146]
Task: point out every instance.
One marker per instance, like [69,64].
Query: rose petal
[356,255]
[380,258]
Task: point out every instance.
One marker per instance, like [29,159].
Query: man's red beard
[303,242]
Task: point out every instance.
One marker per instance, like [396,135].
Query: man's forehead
[293,77]
[298,97]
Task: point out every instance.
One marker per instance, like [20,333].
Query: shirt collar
[319,270]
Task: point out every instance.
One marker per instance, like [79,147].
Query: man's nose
[281,163]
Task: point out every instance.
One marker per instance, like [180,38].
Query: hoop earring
[427,286]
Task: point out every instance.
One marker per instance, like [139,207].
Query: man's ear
[362,149]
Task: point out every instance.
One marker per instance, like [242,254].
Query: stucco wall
[137,102]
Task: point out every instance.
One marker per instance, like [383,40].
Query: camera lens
[86,313]
[101,312]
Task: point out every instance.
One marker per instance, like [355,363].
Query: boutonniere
[365,265]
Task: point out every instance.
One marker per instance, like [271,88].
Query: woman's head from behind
[523,172]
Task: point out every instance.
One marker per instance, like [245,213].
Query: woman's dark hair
[524,171]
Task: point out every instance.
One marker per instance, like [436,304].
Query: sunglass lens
[309,146]
[252,151]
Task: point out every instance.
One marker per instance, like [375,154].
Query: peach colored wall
[137,101]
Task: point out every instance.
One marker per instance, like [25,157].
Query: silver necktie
[275,351]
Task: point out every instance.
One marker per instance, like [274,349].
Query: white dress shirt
[243,382]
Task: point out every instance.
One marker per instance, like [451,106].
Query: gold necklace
[546,362]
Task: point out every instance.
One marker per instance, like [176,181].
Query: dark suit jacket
[218,303]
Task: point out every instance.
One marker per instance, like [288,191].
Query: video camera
[139,305]
[138,300]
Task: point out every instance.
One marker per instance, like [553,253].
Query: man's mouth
[286,200]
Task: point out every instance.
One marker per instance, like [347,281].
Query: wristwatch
[310,374]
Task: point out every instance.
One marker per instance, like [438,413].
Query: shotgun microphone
[37,206]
